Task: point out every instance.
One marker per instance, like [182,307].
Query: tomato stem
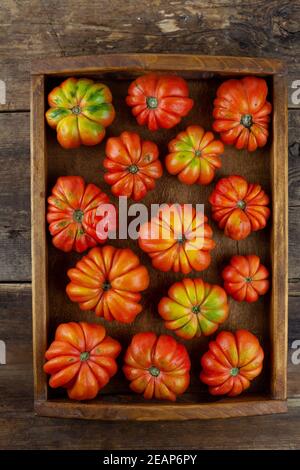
[196,309]
[78,215]
[248,279]
[152,102]
[76,110]
[197,153]
[106,286]
[246,120]
[241,205]
[154,371]
[234,371]
[84,356]
[133,169]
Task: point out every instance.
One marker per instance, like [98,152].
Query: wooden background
[36,29]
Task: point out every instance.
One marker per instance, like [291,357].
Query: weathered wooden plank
[259,28]
[14,198]
[19,429]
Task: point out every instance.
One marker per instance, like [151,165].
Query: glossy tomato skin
[179,243]
[194,156]
[71,214]
[239,207]
[81,359]
[194,307]
[242,113]
[109,281]
[232,361]
[159,101]
[80,110]
[245,278]
[132,165]
[157,366]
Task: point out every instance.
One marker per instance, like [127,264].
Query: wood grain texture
[38,233]
[279,239]
[260,28]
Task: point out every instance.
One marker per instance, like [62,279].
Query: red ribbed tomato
[239,207]
[157,367]
[245,278]
[159,100]
[242,112]
[232,361]
[109,281]
[132,165]
[81,359]
[72,214]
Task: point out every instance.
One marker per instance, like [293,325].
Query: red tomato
[72,214]
[132,164]
[242,113]
[232,361]
[109,280]
[194,156]
[194,307]
[245,278]
[159,100]
[157,367]
[239,207]
[81,359]
[177,239]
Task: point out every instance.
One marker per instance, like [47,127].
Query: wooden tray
[267,318]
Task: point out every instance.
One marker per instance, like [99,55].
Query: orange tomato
[177,239]
[109,280]
[81,359]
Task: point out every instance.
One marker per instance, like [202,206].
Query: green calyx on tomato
[76,110]
[196,309]
[152,102]
[241,205]
[248,279]
[154,371]
[84,356]
[197,153]
[106,286]
[133,169]
[78,215]
[234,371]
[246,120]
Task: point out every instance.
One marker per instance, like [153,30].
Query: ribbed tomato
[245,278]
[239,207]
[80,111]
[194,156]
[72,214]
[109,280]
[177,239]
[132,164]
[242,112]
[157,366]
[81,359]
[159,100]
[232,361]
[194,307]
